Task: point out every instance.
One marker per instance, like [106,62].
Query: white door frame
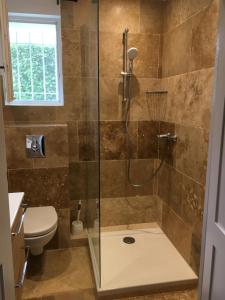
[7,290]
[208,282]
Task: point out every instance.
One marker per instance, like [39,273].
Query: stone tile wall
[120,202]
[176,54]
[188,55]
[60,179]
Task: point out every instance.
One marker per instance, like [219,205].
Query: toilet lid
[39,220]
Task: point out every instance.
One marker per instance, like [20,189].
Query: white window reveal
[35,47]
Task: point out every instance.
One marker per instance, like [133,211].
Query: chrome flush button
[35,146]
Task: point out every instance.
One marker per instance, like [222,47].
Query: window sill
[37,104]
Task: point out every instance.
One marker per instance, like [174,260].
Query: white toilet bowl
[40,225]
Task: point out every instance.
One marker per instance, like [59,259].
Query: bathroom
[111,126]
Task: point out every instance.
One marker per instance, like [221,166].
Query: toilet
[40,225]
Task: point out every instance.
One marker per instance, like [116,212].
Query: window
[36,62]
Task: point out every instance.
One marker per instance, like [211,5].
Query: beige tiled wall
[60,178]
[176,40]
[188,56]
[120,202]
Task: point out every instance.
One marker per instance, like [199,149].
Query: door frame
[214,160]
[7,285]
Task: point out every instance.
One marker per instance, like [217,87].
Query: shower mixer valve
[168,136]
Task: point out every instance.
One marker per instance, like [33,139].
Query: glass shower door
[90,98]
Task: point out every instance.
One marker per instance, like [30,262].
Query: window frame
[42,19]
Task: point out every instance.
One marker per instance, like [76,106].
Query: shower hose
[129,145]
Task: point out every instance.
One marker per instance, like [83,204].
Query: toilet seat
[39,221]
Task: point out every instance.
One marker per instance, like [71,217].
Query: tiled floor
[59,271]
[66,275]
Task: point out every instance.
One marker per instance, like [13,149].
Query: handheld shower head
[132,53]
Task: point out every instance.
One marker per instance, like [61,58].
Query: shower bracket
[126,74]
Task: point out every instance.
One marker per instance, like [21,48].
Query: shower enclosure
[147,95]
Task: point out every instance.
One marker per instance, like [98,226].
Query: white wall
[47,7]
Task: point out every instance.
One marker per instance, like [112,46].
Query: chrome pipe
[20,283]
[125,47]
[125,63]
[17,232]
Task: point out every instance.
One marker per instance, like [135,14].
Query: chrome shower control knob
[168,136]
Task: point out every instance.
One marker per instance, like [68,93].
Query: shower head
[132,53]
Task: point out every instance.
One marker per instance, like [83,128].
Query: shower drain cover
[129,240]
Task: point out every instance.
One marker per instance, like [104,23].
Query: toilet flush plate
[35,146]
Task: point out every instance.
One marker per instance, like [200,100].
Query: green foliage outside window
[34,72]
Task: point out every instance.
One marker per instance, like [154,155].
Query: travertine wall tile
[146,65]
[171,15]
[42,187]
[113,178]
[111,93]
[73,141]
[191,152]
[204,32]
[194,28]
[177,231]
[113,140]
[117,15]
[56,146]
[170,187]
[71,48]
[29,114]
[144,106]
[72,109]
[89,103]
[88,139]
[62,237]
[176,12]
[84,180]
[177,50]
[192,7]
[63,231]
[176,87]
[198,98]
[67,19]
[147,139]
[189,97]
[130,210]
[192,201]
[110,54]
[151,20]
[15,139]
